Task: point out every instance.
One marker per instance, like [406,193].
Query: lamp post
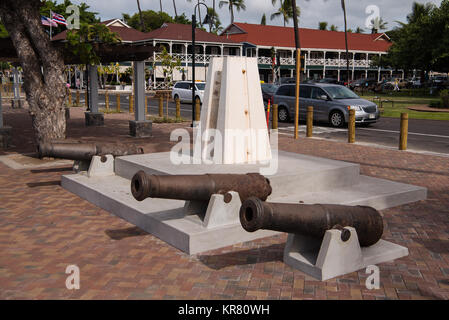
[206,20]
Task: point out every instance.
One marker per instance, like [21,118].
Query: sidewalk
[44,228]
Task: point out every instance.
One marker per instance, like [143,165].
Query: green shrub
[444,95]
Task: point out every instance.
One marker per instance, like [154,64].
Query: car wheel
[283,115]
[337,119]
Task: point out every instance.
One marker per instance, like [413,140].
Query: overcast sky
[312,11]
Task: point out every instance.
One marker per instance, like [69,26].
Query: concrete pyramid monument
[233,123]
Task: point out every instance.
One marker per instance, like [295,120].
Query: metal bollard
[404,132]
[197,110]
[309,130]
[178,109]
[161,106]
[351,126]
[131,103]
[106,100]
[275,117]
[118,102]
[77,98]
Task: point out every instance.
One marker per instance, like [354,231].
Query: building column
[94,117]
[170,46]
[305,62]
[379,69]
[140,127]
[324,65]
[353,65]
[16,102]
[339,65]
[222,49]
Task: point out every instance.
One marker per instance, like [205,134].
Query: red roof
[183,32]
[310,38]
[125,33]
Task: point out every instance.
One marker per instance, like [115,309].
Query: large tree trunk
[43,67]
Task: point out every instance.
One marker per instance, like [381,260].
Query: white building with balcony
[324,51]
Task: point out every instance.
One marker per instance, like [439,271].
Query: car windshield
[340,92]
[200,86]
[270,88]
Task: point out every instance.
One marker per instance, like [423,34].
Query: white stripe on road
[413,133]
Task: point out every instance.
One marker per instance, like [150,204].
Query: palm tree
[378,24]
[333,28]
[359,30]
[215,27]
[263,21]
[322,25]
[174,7]
[419,10]
[142,24]
[343,6]
[238,4]
[285,10]
[160,3]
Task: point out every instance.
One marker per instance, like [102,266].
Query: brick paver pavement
[44,228]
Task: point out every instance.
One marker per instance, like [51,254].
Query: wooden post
[351,126]
[146,105]
[197,110]
[85,98]
[69,93]
[118,102]
[168,98]
[404,132]
[178,109]
[131,103]
[77,98]
[161,106]
[309,131]
[275,117]
[106,100]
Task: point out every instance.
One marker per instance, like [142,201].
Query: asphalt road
[424,135]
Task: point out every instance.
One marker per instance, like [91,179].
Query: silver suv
[330,102]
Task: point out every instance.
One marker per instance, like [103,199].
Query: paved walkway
[44,228]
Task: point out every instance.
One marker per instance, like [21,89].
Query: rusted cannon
[312,220]
[199,187]
[85,151]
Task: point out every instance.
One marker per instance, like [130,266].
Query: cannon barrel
[199,187]
[311,220]
[85,151]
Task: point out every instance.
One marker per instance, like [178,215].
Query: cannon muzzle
[85,151]
[199,187]
[311,220]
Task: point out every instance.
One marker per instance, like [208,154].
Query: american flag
[47,22]
[58,18]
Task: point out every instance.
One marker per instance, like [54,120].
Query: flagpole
[51,23]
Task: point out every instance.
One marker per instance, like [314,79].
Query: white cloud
[312,11]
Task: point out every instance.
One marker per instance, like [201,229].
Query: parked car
[268,91]
[183,91]
[331,103]
[369,83]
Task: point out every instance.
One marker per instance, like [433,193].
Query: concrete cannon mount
[299,178]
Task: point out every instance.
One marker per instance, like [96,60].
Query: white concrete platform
[332,257]
[299,178]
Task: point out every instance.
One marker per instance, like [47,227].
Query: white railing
[288,61]
[161,85]
[201,58]
[265,60]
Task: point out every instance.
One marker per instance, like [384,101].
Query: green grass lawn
[401,103]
